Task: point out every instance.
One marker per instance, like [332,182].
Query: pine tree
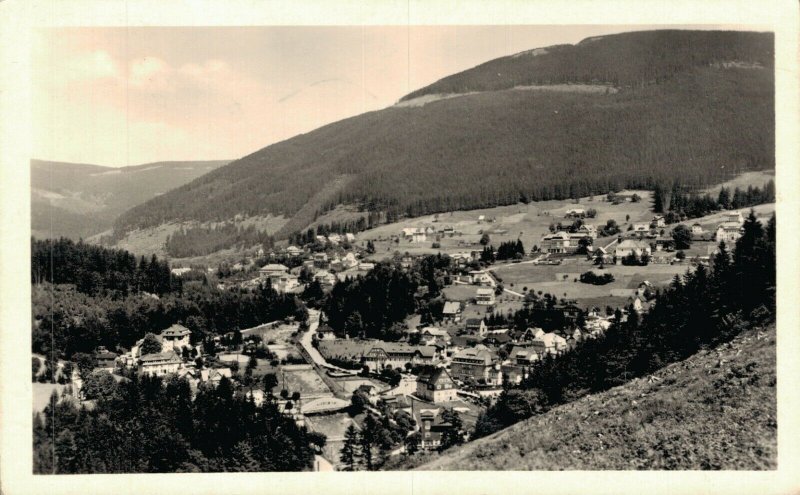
[349,454]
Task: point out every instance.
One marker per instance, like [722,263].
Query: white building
[484,296]
[272,270]
[549,343]
[628,246]
[160,364]
[730,232]
[481,277]
[175,337]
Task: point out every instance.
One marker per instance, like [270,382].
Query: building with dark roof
[176,337]
[436,385]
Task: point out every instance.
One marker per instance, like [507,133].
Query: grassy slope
[485,149]
[715,410]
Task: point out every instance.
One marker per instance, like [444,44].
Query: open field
[756,179]
[711,222]
[560,280]
[527,222]
[303,379]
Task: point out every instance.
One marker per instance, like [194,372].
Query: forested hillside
[689,107]
[622,60]
[78,200]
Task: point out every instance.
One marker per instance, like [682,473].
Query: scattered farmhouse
[481,277]
[562,242]
[733,217]
[730,232]
[630,246]
[575,213]
[415,234]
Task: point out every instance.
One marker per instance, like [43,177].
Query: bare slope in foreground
[715,410]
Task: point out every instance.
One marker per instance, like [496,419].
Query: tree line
[149,425]
[95,269]
[679,203]
[203,240]
[699,310]
[66,321]
[116,308]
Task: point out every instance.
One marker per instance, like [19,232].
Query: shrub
[596,279]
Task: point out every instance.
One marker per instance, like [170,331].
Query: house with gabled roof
[175,337]
[630,246]
[549,343]
[451,311]
[436,385]
[476,326]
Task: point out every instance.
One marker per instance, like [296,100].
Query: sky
[127,96]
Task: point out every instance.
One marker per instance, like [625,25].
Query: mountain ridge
[502,146]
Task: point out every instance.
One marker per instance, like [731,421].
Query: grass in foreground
[715,410]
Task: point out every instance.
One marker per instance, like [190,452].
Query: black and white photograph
[397,247]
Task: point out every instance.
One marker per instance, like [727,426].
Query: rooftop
[161,356]
[176,330]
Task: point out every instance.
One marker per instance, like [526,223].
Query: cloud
[150,73]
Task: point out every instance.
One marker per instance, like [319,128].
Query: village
[582,273]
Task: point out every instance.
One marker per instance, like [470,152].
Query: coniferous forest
[700,310]
[143,425]
[85,296]
[691,107]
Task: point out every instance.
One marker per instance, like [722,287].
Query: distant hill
[613,112]
[715,410]
[78,200]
